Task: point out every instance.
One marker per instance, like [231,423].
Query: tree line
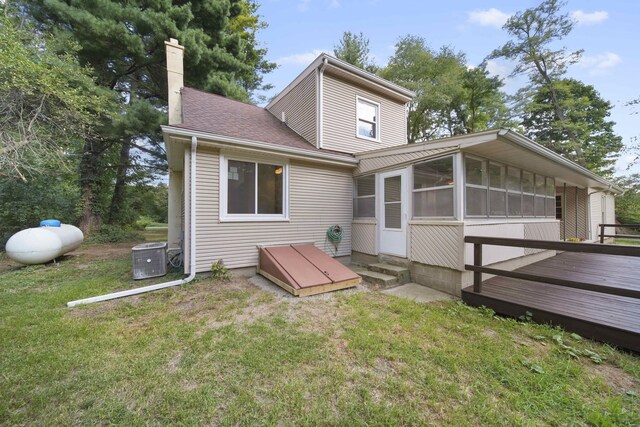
[83,94]
[453,98]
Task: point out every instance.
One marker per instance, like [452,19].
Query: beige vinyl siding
[610,209]
[395,160]
[574,215]
[595,211]
[363,237]
[339,118]
[300,108]
[437,244]
[319,197]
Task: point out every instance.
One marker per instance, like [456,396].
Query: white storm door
[392,208]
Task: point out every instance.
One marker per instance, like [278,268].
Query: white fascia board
[208,139]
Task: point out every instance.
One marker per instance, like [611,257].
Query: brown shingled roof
[215,114]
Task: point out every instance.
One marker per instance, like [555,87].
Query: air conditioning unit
[149,260]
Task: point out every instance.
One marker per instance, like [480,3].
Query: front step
[380,279]
[400,273]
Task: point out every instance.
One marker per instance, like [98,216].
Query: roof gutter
[192,248]
[224,141]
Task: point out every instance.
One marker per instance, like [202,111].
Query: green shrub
[219,271]
[115,234]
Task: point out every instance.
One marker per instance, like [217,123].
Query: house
[331,149]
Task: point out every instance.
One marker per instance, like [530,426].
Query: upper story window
[368,125]
[253,190]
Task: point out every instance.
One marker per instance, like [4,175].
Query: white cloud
[488,18]
[303,5]
[305,58]
[498,69]
[334,4]
[600,64]
[624,163]
[586,18]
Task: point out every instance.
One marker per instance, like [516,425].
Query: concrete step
[380,279]
[400,273]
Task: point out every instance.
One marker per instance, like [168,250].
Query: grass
[233,354]
[633,242]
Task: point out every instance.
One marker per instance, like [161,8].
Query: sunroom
[414,205]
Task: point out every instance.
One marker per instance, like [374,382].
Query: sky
[608,31]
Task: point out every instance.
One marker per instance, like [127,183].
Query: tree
[634,147]
[585,118]
[48,102]
[354,49]
[628,203]
[451,99]
[124,43]
[535,31]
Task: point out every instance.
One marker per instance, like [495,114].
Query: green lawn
[232,353]
[634,242]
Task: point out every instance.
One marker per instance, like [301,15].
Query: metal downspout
[192,247]
[564,213]
[320,135]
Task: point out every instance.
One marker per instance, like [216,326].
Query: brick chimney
[175,79]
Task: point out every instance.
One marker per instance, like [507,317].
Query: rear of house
[331,149]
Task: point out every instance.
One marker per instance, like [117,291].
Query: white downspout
[192,247]
[320,135]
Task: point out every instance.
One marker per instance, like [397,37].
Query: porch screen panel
[392,202]
[433,188]
[364,205]
[476,186]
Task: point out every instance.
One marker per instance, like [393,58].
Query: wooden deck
[614,319]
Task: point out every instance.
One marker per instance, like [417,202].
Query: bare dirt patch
[616,378]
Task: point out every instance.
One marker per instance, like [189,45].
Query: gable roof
[342,68]
[220,116]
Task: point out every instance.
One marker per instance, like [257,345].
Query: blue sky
[609,33]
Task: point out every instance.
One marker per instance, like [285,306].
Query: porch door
[392,208]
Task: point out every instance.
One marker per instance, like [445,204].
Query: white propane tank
[43,244]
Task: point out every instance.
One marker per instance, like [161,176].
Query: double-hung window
[368,123]
[253,190]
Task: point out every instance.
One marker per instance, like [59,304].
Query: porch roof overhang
[175,138]
[501,145]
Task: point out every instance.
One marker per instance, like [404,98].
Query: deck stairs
[384,275]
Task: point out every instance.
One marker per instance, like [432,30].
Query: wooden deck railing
[593,248]
[626,236]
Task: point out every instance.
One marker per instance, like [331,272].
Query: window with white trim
[368,121]
[493,189]
[364,201]
[253,190]
[433,188]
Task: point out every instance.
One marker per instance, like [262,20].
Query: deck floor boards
[610,318]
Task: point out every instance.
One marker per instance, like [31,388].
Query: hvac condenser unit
[149,260]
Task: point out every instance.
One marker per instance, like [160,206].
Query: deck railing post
[477,261]
[601,233]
